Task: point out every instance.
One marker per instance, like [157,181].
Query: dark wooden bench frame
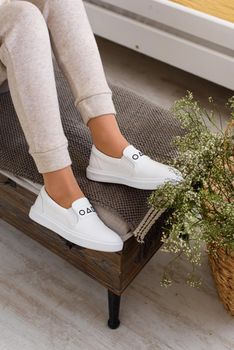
[115,271]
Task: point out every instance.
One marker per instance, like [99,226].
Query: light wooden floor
[46,304]
[223,9]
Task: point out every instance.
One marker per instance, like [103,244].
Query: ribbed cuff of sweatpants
[52,160]
[95,105]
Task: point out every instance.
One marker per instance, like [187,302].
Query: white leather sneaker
[133,169]
[78,224]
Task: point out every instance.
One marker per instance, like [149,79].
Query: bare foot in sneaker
[64,209]
[79,224]
[114,160]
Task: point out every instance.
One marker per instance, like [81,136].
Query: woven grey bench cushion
[145,125]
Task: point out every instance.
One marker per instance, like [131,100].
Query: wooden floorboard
[223,9]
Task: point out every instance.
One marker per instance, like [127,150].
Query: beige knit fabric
[4,2]
[28,32]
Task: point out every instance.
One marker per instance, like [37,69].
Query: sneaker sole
[62,231]
[94,175]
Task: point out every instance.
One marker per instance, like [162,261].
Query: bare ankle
[62,187]
[107,136]
[112,149]
[64,198]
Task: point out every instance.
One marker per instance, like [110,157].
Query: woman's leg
[77,54]
[25,51]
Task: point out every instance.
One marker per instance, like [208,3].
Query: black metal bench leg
[114,305]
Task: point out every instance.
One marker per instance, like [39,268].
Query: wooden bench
[122,208]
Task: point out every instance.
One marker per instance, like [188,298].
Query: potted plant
[203,203]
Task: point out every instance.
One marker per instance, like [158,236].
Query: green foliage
[203,203]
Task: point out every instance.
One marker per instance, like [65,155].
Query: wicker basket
[222,266]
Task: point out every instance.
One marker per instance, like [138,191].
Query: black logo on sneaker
[135,156]
[88,210]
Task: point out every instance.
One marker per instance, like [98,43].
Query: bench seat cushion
[145,125]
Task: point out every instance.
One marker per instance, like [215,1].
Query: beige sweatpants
[29,31]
